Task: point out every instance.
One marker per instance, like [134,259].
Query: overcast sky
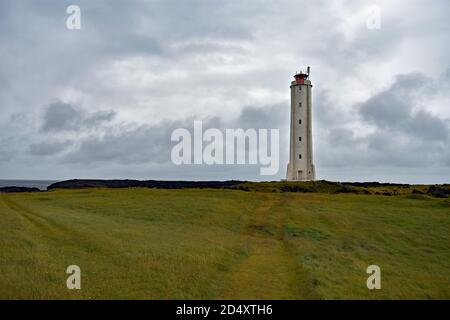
[102,101]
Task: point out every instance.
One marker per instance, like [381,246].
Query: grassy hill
[139,243]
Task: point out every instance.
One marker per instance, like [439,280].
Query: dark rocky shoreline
[18,189]
[77,184]
[440,191]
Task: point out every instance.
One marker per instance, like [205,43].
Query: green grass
[222,244]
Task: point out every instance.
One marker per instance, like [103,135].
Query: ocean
[40,184]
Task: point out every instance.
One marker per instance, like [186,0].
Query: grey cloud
[138,144]
[96,118]
[385,109]
[5,151]
[427,126]
[60,116]
[202,18]
[48,148]
[267,116]
[402,136]
[393,109]
[393,106]
[341,136]
[324,111]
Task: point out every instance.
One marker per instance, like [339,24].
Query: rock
[18,189]
[439,191]
[77,184]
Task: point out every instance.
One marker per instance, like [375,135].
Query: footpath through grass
[220,244]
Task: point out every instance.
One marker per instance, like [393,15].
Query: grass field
[222,244]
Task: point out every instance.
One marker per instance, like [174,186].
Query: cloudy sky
[102,101]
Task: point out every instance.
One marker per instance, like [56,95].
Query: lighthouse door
[299,175]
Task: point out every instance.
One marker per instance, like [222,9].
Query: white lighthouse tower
[301,167]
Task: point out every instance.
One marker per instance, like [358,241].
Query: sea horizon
[29,183]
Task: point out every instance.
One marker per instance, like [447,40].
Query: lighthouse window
[299,138]
[300,104]
[299,88]
[300,156]
[300,121]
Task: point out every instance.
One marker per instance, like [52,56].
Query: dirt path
[27,214]
[58,233]
[269,271]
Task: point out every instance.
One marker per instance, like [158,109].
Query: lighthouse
[301,167]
